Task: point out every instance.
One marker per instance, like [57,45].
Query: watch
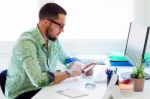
[67,73]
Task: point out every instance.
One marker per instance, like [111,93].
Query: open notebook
[73,93]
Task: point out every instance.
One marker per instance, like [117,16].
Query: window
[16,17]
[97,19]
[86,19]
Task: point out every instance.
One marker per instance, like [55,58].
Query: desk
[95,93]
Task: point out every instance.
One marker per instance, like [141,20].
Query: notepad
[73,93]
[126,89]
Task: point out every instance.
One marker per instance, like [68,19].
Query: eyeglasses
[61,26]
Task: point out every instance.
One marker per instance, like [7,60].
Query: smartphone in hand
[88,67]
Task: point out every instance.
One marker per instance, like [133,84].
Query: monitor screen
[135,45]
[147,51]
[137,49]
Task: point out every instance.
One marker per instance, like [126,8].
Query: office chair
[3,80]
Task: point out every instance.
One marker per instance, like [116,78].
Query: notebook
[73,93]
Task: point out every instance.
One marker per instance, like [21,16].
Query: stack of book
[118,59]
[126,89]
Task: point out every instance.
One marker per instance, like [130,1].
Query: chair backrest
[3,80]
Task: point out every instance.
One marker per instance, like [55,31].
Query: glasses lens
[61,26]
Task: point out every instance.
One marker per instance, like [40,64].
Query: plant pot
[138,84]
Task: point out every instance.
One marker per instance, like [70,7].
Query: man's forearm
[60,76]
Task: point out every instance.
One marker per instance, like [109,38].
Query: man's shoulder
[26,38]
[28,35]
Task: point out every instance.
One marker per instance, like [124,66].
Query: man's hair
[51,11]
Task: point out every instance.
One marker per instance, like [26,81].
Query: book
[126,89]
[73,93]
[118,59]
[116,56]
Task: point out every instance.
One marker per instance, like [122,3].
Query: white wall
[142,11]
[77,46]
[73,47]
[42,2]
[93,46]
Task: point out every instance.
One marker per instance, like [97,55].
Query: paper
[73,92]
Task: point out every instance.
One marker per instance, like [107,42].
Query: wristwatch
[67,73]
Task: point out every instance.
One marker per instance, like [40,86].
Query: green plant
[138,72]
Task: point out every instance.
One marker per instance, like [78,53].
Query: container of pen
[108,79]
[109,73]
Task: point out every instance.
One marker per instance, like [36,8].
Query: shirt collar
[39,37]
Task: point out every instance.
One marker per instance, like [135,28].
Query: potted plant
[138,78]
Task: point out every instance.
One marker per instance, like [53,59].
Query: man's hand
[89,72]
[75,71]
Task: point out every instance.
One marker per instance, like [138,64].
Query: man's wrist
[51,75]
[68,73]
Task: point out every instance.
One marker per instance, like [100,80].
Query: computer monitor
[135,46]
[136,43]
[147,51]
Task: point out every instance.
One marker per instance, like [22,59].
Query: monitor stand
[126,75]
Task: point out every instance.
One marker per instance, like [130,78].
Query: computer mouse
[90,85]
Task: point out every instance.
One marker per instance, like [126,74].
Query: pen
[109,72]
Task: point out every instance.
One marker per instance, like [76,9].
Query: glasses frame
[61,26]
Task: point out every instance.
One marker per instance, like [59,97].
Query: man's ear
[47,22]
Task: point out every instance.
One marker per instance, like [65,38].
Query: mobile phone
[88,68]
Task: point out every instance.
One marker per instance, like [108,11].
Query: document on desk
[73,93]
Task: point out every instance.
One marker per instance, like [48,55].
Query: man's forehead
[61,18]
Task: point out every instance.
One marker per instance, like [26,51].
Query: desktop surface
[97,92]
[79,82]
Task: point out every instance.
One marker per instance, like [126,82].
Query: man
[35,54]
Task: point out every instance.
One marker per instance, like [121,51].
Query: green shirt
[30,62]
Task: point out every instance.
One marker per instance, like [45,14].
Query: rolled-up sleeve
[66,59]
[28,54]
[61,54]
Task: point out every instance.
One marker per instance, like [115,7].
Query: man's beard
[49,36]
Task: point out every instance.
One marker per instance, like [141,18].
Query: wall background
[142,11]
[141,14]
[73,47]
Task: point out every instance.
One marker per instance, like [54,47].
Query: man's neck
[42,31]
